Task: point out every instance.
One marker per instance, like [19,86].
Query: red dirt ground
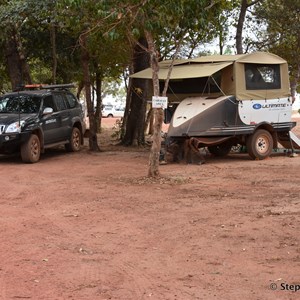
[87,226]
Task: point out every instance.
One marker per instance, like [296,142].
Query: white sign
[159,102]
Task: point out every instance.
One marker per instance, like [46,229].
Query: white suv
[110,111]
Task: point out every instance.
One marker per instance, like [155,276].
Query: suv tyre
[31,150]
[75,141]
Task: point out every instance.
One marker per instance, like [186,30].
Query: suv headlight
[14,127]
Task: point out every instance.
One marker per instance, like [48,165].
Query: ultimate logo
[276,105]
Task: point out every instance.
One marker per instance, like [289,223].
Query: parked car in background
[111,111]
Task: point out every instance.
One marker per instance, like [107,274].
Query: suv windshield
[25,104]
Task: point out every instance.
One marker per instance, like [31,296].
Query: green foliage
[32,21]
[109,23]
[188,22]
[281,21]
[107,47]
[39,72]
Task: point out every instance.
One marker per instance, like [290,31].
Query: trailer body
[228,100]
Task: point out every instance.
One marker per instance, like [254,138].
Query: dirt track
[91,226]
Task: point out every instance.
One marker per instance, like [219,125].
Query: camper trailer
[226,100]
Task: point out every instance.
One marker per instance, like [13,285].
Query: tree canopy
[47,33]
[280,33]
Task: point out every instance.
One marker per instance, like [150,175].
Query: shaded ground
[91,226]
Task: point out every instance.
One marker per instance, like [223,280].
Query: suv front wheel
[75,140]
[31,150]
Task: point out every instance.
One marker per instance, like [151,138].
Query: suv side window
[60,101]
[48,102]
[71,100]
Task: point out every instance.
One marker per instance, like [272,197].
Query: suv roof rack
[57,86]
[45,86]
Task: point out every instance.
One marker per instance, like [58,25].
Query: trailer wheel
[260,144]
[220,150]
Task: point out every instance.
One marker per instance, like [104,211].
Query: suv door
[51,123]
[64,115]
[74,105]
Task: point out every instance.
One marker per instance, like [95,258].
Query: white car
[110,111]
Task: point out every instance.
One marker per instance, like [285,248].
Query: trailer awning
[191,70]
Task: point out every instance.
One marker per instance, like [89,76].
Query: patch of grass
[162,180]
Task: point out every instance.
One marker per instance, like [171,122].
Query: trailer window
[262,76]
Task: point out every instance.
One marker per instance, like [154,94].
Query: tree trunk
[294,83]
[80,88]
[93,142]
[98,101]
[240,25]
[53,50]
[221,41]
[24,66]
[245,4]
[127,107]
[158,113]
[153,170]
[17,66]
[149,122]
[13,64]
[138,93]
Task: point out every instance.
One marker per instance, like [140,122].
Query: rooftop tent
[232,72]
[216,58]
[272,67]
[260,57]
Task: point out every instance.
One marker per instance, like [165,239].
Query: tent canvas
[184,71]
[233,74]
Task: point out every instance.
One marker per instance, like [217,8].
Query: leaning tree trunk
[139,89]
[158,114]
[93,143]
